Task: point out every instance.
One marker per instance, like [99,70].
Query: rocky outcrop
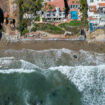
[98,35]
[11,7]
[4,4]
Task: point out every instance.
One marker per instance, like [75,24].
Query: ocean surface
[52,77]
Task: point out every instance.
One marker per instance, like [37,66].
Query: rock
[75,56]
[54,94]
[98,36]
[67,33]
[81,37]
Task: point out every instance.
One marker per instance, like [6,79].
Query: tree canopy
[30,5]
[84,9]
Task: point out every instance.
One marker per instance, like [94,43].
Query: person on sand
[7,21]
[14,21]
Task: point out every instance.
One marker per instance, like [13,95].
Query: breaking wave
[52,77]
[54,57]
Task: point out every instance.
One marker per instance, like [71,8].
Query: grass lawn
[71,23]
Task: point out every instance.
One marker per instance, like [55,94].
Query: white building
[56,14]
[55,11]
[96,13]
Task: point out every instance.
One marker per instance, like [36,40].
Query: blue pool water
[74,15]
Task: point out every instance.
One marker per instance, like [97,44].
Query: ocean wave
[13,63]
[86,70]
[57,57]
[90,80]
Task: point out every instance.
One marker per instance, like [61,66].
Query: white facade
[55,16]
[95,2]
[97,18]
[28,16]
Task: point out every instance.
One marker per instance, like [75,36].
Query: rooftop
[61,5]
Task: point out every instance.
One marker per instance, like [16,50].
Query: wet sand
[54,44]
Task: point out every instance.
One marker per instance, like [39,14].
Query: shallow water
[52,77]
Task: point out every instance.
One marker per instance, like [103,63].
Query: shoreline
[75,45]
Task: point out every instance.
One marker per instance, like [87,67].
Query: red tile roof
[102,4]
[93,9]
[61,5]
[73,2]
[91,18]
[57,3]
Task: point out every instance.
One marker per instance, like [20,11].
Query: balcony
[54,15]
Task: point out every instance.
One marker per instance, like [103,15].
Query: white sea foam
[16,71]
[57,57]
[90,80]
[12,63]
[87,72]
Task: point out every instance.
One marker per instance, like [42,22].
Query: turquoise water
[52,77]
[74,15]
[36,89]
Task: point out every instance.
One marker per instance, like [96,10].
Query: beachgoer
[14,21]
[4,21]
[7,21]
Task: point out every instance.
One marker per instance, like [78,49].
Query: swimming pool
[74,15]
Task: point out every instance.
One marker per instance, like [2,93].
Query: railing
[55,15]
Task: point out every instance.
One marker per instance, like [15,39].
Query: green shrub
[25,31]
[50,28]
[33,29]
[37,18]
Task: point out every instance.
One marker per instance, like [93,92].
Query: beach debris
[75,56]
[35,35]
[81,37]
[67,33]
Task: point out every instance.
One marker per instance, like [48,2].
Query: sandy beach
[53,44]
